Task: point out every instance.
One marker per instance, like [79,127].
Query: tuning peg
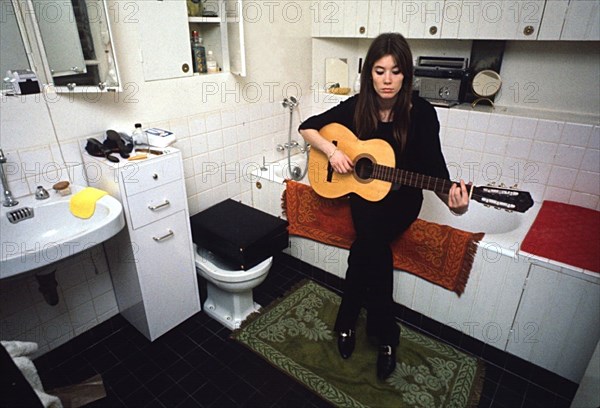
[491,184]
[508,211]
[487,205]
[515,186]
[502,185]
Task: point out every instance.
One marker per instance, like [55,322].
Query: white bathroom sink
[54,232]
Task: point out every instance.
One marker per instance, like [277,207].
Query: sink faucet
[8,201]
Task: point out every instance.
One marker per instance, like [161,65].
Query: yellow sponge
[83,204]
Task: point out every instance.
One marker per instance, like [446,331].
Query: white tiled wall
[86,298]
[554,160]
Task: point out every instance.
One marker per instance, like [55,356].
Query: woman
[385,109]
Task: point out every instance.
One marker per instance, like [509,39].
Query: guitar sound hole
[363,168]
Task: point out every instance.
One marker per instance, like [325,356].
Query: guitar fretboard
[408,178]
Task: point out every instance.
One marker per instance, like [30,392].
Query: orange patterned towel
[438,253]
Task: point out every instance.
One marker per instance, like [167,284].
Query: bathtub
[515,303]
[504,231]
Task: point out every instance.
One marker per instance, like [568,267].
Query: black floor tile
[173,396]
[489,388]
[494,355]
[538,396]
[472,345]
[197,365]
[514,382]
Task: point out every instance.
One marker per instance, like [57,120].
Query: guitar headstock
[504,198]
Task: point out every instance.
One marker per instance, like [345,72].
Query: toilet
[229,297]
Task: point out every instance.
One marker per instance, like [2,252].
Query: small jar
[62,187]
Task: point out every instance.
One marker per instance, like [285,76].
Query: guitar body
[363,154]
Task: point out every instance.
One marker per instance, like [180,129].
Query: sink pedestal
[46,278]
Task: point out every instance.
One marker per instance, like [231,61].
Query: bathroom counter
[566,234]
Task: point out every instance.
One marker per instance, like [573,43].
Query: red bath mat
[567,234]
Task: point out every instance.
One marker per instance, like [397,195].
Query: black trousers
[369,278]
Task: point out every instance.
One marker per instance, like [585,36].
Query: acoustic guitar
[374,173]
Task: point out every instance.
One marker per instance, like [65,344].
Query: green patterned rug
[295,335]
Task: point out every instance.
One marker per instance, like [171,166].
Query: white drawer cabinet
[151,261]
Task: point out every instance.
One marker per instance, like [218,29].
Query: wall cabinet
[166,48]
[67,44]
[342,18]
[459,19]
[492,20]
[152,260]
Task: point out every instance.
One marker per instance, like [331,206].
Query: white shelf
[212,20]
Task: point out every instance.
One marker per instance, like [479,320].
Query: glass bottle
[194,8]
[357,79]
[211,63]
[140,138]
[198,53]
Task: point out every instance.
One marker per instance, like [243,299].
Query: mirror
[60,36]
[486,84]
[12,50]
[70,42]
[336,72]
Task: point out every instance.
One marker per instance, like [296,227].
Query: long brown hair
[366,115]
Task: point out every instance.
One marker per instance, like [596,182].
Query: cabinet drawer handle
[166,236]
[158,207]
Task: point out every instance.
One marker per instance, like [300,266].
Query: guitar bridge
[329,168]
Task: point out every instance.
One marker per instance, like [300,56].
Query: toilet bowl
[228,288]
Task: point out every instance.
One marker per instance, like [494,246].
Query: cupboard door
[452,12]
[510,20]
[327,18]
[164,39]
[388,15]
[421,19]
[164,258]
[569,315]
[470,14]
[338,18]
[554,15]
[355,18]
[373,25]
[235,37]
[529,19]
[582,21]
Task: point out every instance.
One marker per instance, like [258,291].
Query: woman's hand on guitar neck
[340,162]
[458,198]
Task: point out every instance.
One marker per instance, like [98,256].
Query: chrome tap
[41,193]
[8,201]
[291,144]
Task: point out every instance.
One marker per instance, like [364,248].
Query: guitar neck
[411,179]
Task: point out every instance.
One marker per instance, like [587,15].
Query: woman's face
[387,78]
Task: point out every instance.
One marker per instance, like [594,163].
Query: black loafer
[346,343]
[386,361]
